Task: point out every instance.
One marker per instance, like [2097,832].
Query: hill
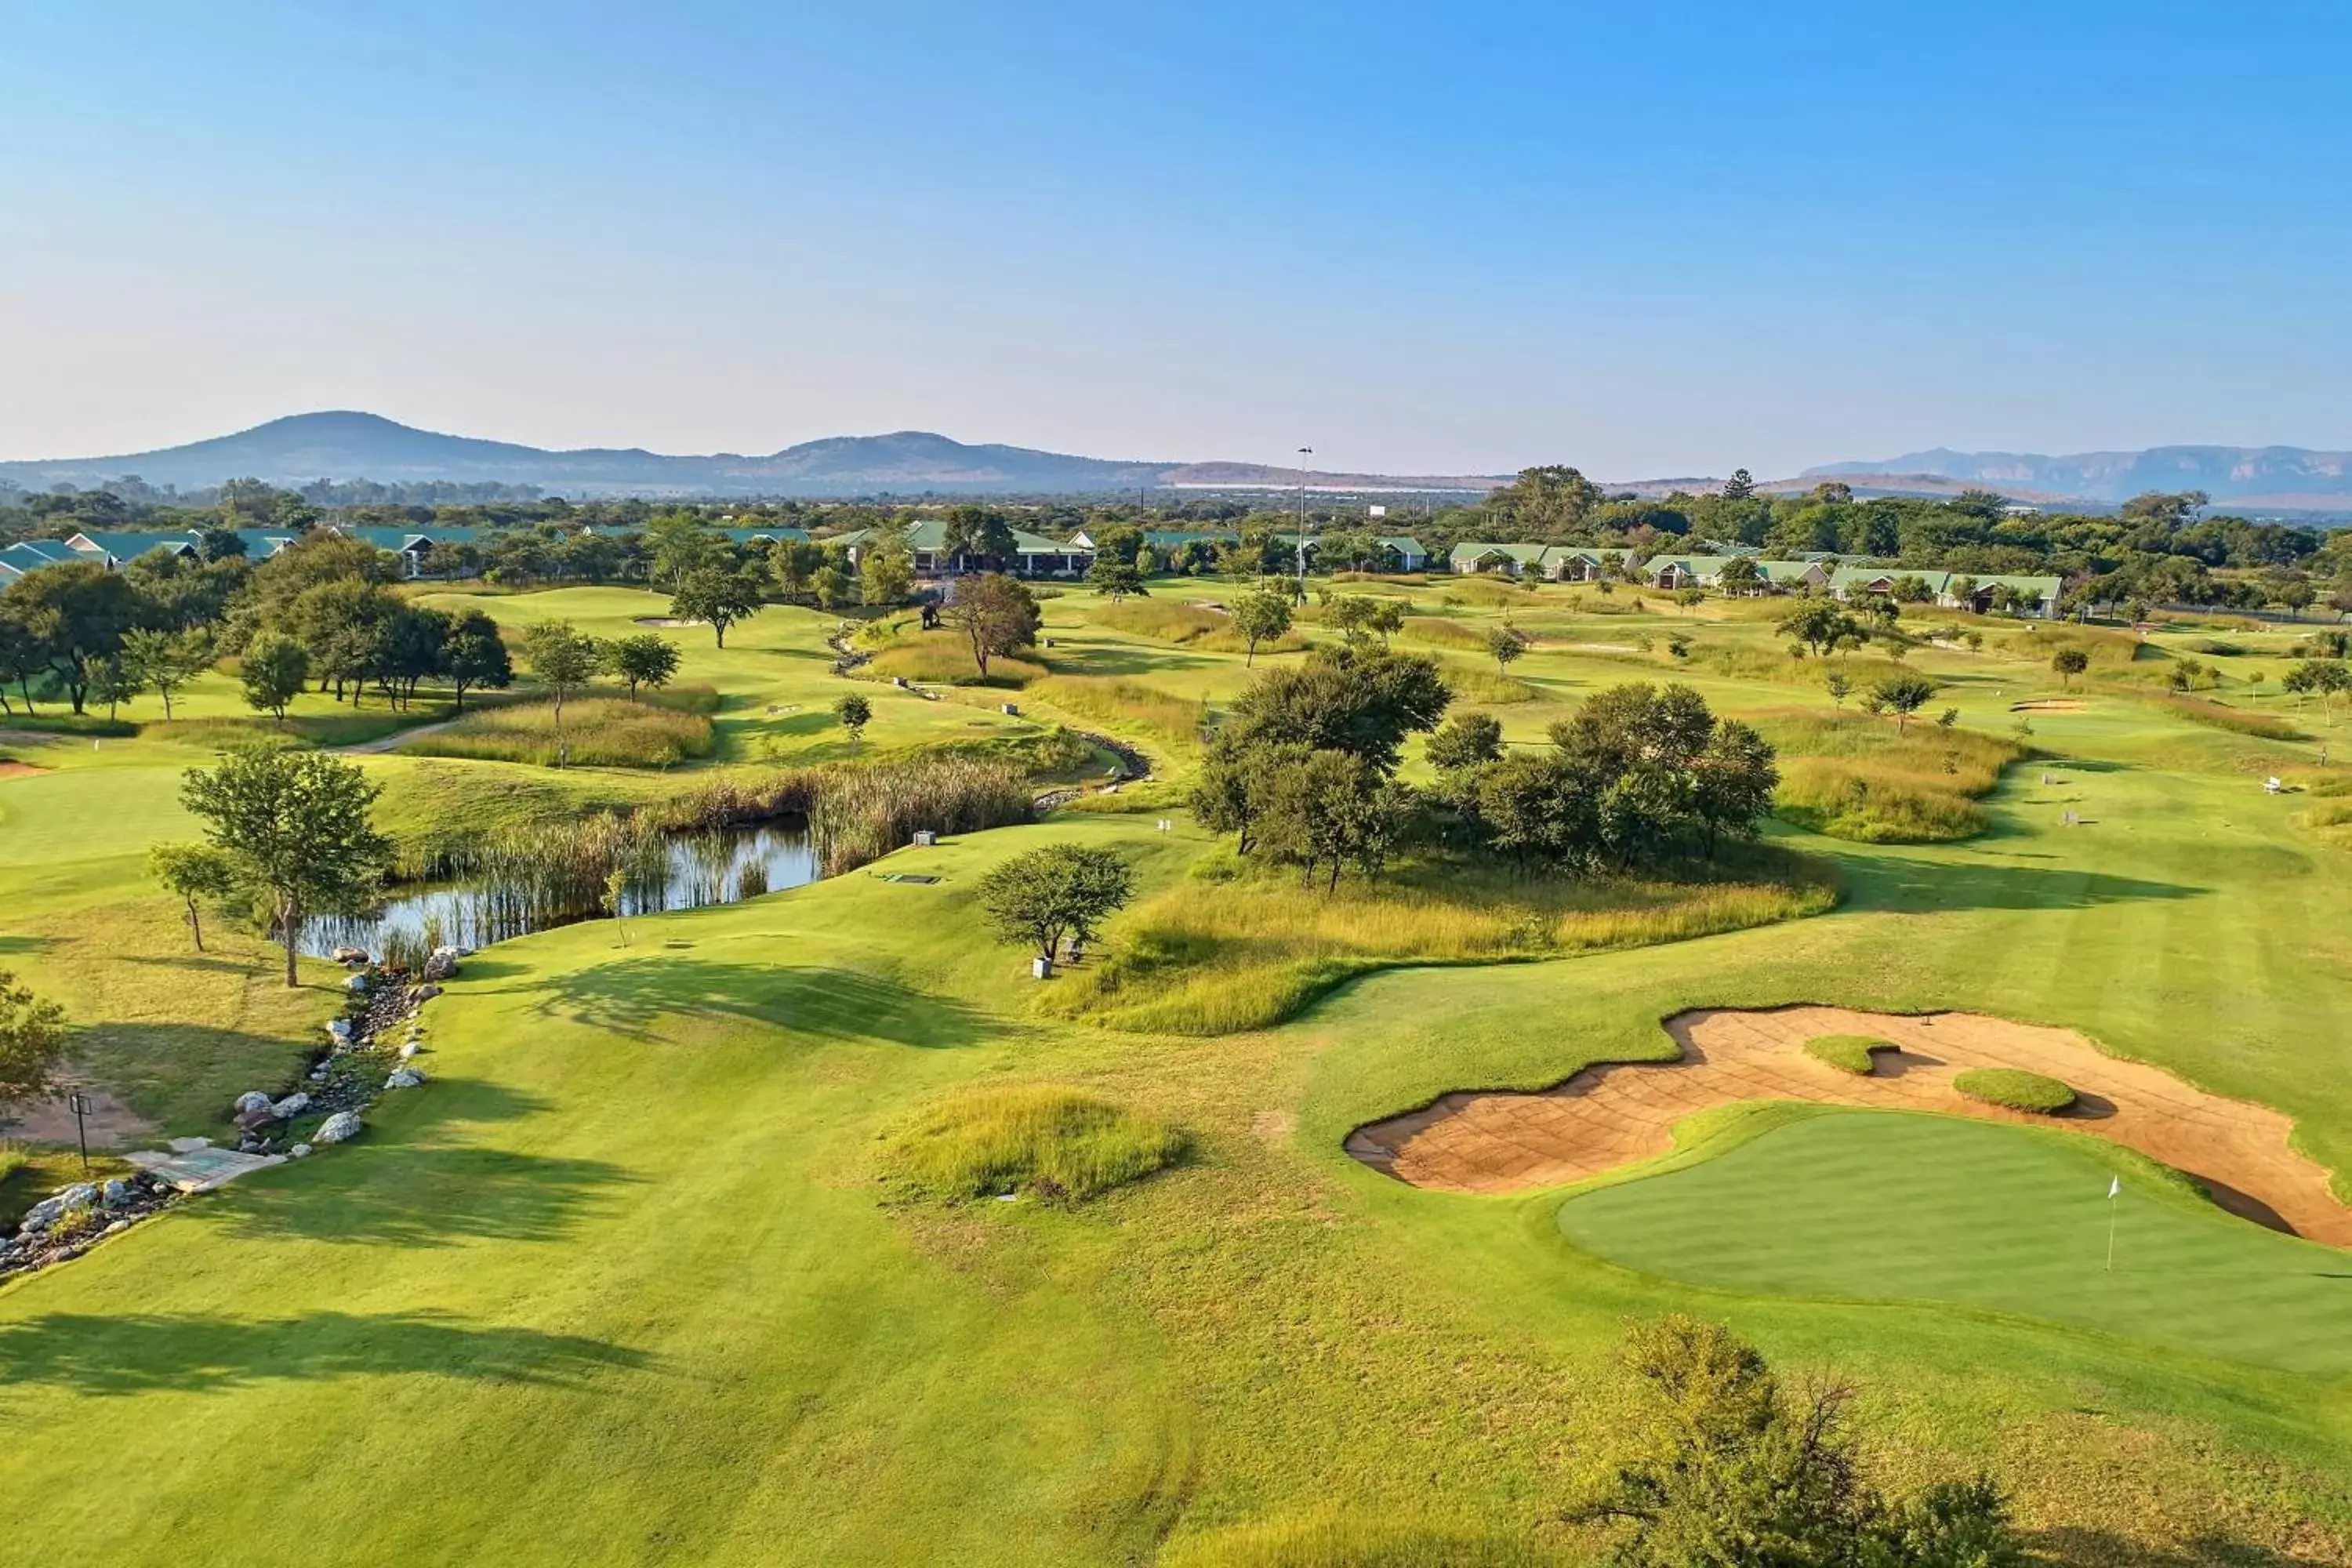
[346,445]
[2284,478]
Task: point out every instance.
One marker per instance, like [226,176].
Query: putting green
[1903,1206]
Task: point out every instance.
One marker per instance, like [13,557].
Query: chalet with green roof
[1035,555]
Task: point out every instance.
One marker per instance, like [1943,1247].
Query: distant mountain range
[347,446]
[2280,479]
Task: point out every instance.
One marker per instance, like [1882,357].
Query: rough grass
[1853,776]
[1363,1543]
[1043,1139]
[1486,687]
[1169,620]
[2108,649]
[1113,701]
[1260,947]
[1847,1053]
[2016,1089]
[944,659]
[2221,716]
[1486,593]
[597,731]
[1442,632]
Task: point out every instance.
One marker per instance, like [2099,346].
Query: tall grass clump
[858,814]
[943,659]
[1167,620]
[2221,716]
[1857,777]
[1486,688]
[2106,649]
[1045,1140]
[527,876]
[597,731]
[1440,631]
[1113,701]
[1261,948]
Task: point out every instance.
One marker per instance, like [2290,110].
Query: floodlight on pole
[1304,453]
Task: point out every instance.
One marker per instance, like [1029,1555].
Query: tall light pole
[1304,453]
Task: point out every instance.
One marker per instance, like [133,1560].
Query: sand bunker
[1612,1115]
[2049,705]
[11,769]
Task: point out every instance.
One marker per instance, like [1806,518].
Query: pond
[718,867]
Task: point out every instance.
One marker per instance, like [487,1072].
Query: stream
[721,865]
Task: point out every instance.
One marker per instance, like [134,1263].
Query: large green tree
[995,613]
[717,597]
[32,1042]
[296,827]
[1063,890]
[81,611]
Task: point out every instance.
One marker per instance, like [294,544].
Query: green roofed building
[1033,555]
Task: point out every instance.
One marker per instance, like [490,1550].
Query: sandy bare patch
[110,1123]
[1272,1126]
[11,769]
[670,621]
[1613,1114]
[2049,705]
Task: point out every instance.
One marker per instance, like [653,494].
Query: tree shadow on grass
[1894,883]
[403,1194]
[141,1352]
[631,998]
[27,944]
[2081,1547]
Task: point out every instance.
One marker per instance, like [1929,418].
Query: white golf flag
[2115,1186]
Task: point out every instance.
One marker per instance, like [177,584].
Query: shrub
[1847,1053]
[1483,685]
[1045,1139]
[1363,1543]
[597,731]
[2016,1089]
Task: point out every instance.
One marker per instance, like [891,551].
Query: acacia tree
[294,824]
[1261,615]
[164,662]
[32,1042]
[1823,625]
[1040,895]
[646,659]
[473,654]
[995,613]
[2070,662]
[1903,695]
[1115,579]
[562,656]
[193,873]
[719,597]
[81,611]
[1507,643]
[273,670]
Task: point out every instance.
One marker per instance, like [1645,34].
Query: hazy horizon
[1673,243]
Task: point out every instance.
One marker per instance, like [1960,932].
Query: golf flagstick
[2115,1190]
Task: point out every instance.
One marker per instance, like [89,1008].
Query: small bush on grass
[1847,1053]
[1044,1140]
[2016,1089]
[598,731]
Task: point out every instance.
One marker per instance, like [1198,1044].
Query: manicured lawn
[626,1282]
[1881,1206]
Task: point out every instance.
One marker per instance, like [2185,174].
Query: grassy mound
[1852,776]
[1847,1053]
[598,731]
[2016,1089]
[1167,620]
[940,659]
[1486,688]
[2221,716]
[1041,1139]
[1263,948]
[1112,700]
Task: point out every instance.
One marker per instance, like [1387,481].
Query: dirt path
[1610,1115]
[396,739]
[110,1123]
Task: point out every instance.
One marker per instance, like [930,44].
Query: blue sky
[1661,239]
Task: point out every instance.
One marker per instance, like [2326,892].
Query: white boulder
[251,1101]
[341,1127]
[405,1077]
[299,1152]
[293,1105]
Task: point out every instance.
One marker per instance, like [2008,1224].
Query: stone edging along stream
[361,1065]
